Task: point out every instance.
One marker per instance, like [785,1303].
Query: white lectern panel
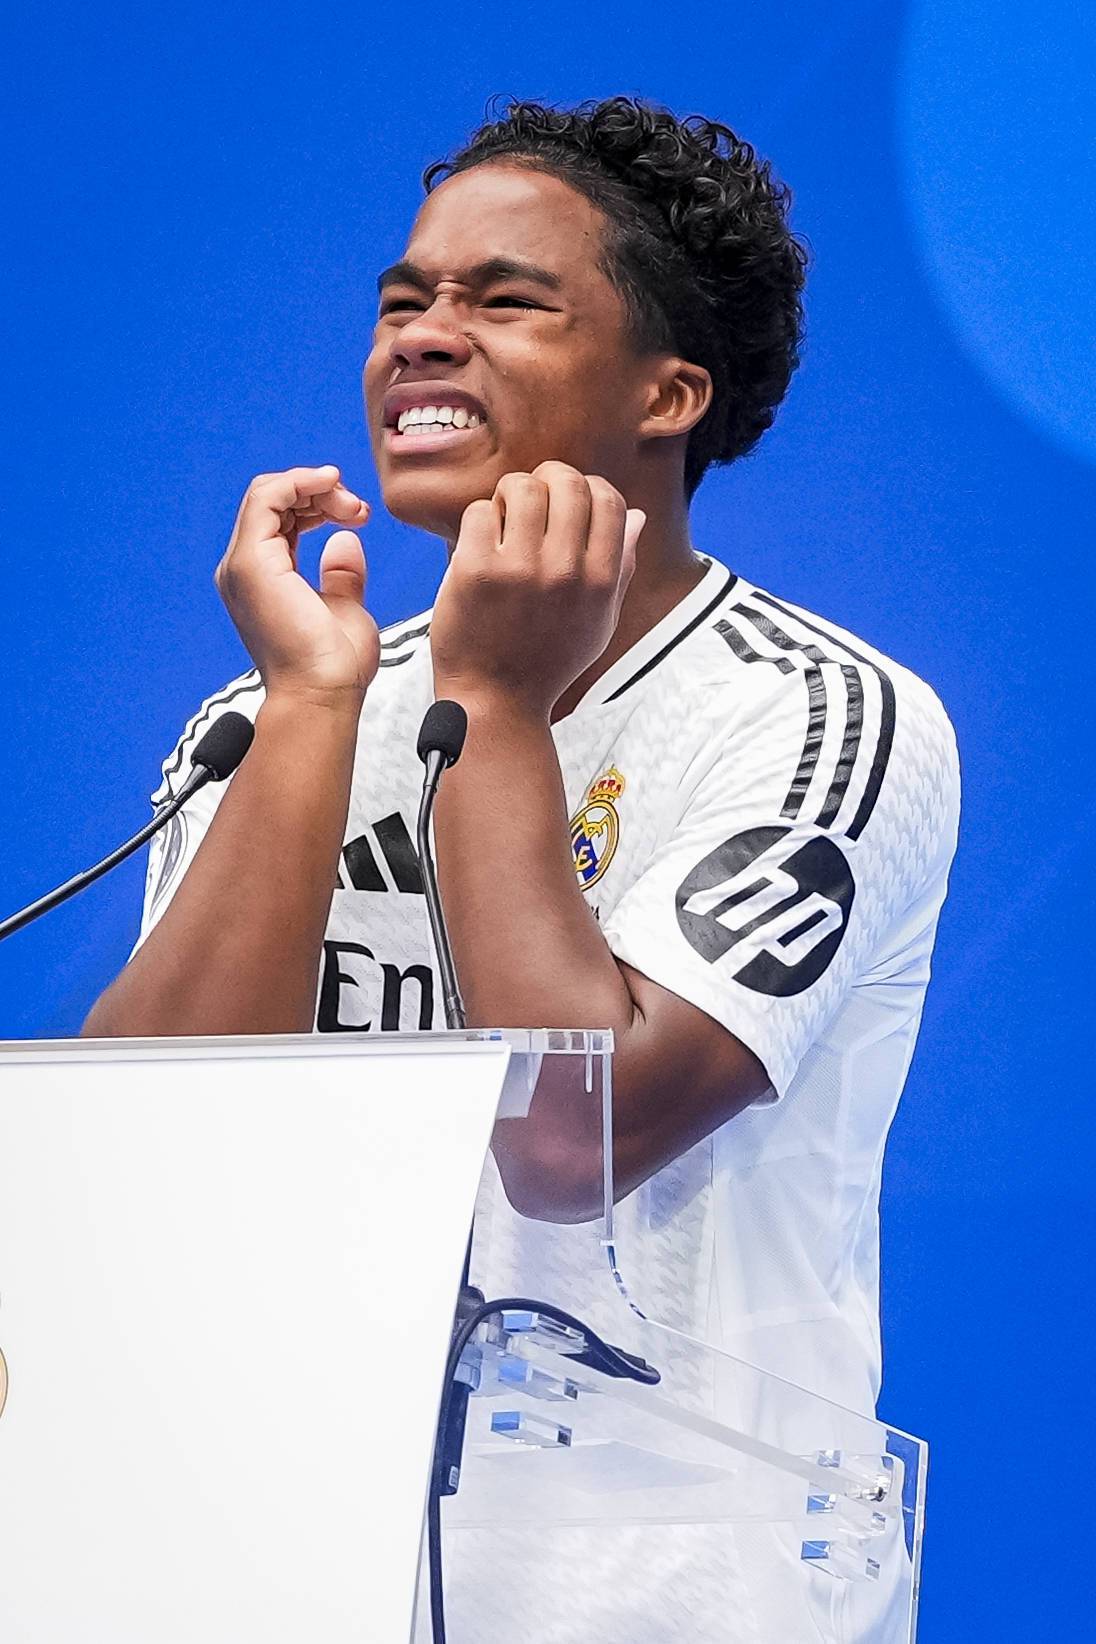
[227,1275]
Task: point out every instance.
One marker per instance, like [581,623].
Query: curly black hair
[698,246]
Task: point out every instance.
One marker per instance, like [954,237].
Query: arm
[237,950]
[677,1074]
[550,566]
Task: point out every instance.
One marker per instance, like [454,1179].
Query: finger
[290,488]
[301,522]
[318,512]
[523,505]
[635,520]
[339,505]
[342,570]
[570,506]
[479,533]
[605,539]
[272,496]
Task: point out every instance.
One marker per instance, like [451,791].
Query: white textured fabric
[765,812]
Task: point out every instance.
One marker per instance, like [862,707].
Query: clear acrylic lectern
[227,1275]
[723,1505]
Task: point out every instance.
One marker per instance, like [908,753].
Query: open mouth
[428,416]
[435,419]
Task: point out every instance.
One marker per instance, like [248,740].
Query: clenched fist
[320,645]
[534,588]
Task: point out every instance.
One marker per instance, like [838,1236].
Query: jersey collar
[664,637]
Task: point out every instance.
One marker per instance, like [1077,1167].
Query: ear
[679,395]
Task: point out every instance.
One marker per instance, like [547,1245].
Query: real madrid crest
[595,830]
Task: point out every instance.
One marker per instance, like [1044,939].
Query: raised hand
[320,645]
[534,588]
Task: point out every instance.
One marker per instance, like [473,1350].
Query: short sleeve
[172,850]
[797,856]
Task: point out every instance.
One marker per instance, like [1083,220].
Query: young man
[686,810]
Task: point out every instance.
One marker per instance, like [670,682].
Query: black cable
[80,881]
[433,1543]
[597,1355]
[214,759]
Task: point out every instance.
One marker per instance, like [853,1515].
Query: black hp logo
[780,906]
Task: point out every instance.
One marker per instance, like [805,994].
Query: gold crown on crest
[608,787]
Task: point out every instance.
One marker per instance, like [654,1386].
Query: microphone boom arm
[452,1003]
[80,881]
[215,758]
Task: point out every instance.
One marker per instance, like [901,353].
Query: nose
[430,338]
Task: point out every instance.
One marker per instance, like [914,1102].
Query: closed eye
[421,304]
[394,305]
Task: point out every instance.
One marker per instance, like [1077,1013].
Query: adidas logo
[383,858]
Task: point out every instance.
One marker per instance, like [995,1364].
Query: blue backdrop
[196,213]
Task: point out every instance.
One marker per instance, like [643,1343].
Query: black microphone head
[224,745]
[443,731]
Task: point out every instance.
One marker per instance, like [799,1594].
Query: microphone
[441,739]
[221,749]
[216,757]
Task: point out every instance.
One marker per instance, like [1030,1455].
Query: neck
[666,570]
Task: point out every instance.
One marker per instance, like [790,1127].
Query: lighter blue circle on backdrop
[997,122]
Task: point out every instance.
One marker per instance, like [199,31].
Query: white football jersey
[764,810]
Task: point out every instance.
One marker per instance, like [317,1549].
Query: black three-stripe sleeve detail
[817,703]
[776,636]
[402,639]
[407,637]
[882,758]
[815,659]
[888,715]
[250,682]
[745,652]
[850,745]
[812,743]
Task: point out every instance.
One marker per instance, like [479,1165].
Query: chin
[433,502]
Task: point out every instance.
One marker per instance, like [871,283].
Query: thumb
[634,521]
[342,569]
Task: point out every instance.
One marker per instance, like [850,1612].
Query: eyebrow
[485,273]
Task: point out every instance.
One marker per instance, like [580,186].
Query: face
[499,318]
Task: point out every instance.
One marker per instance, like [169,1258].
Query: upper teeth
[427,418]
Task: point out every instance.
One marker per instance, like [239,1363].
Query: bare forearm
[237,950]
[532,601]
[528,949]
[530,953]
